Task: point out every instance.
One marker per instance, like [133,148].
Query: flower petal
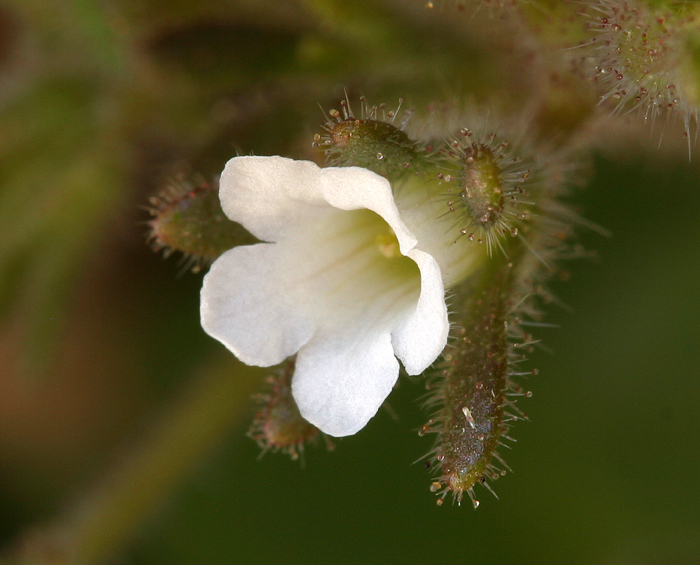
[352,188]
[422,336]
[271,195]
[342,378]
[424,216]
[246,306]
[265,301]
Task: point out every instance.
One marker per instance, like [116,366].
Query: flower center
[388,244]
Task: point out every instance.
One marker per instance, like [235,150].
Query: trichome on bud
[474,392]
[487,185]
[494,188]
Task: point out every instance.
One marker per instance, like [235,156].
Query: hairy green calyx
[474,388]
[486,181]
[187,217]
[642,56]
[372,141]
[473,393]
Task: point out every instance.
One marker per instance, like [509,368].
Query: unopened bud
[471,393]
[644,57]
[373,141]
[187,217]
[278,425]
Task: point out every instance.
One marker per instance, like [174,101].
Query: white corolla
[339,280]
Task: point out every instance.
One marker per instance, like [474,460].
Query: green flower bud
[187,217]
[278,425]
[372,141]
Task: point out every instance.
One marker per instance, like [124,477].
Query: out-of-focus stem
[104,521]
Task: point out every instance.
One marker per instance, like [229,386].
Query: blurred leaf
[61,182]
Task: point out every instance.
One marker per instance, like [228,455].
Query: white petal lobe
[341,379]
[246,308]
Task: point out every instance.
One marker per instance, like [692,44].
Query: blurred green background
[100,341]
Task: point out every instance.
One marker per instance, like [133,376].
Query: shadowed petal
[422,336]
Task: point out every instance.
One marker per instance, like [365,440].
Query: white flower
[340,281]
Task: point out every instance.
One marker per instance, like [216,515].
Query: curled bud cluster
[641,58]
[491,182]
[187,218]
[472,205]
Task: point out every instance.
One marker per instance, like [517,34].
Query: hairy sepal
[641,55]
[473,390]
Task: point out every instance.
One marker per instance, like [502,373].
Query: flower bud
[373,141]
[278,425]
[643,57]
[187,217]
[474,388]
[486,180]
[473,391]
